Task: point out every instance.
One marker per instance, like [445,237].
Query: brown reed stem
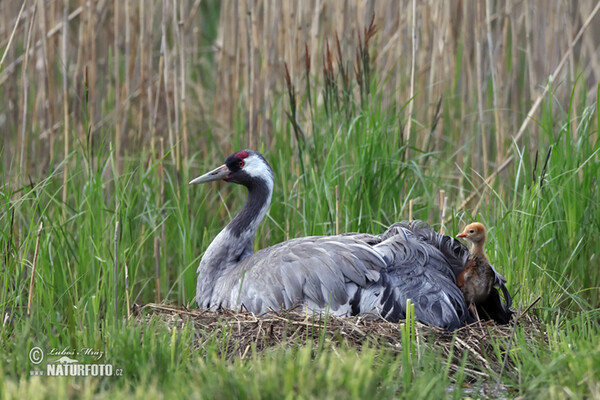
[116,270]
[12,34]
[182,78]
[442,198]
[142,41]
[337,209]
[26,87]
[48,83]
[65,101]
[160,199]
[176,95]
[165,56]
[157,267]
[91,70]
[479,78]
[117,91]
[35,258]
[498,130]
[529,307]
[250,74]
[161,63]
[127,291]
[412,77]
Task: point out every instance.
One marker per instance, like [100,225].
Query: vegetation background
[369,112]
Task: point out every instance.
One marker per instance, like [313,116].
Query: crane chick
[478,278]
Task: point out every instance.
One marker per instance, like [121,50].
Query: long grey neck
[243,227]
[234,242]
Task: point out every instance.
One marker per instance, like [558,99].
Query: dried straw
[476,342]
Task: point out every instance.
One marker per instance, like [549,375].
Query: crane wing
[455,252]
[419,271]
[316,272]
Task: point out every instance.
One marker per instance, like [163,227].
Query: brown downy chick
[478,278]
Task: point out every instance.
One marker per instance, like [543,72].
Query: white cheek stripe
[256,168]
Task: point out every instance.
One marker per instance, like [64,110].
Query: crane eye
[240,164]
[471,231]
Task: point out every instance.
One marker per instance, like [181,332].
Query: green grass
[544,220]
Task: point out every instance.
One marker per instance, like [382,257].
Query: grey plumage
[349,274]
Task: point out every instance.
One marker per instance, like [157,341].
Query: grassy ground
[121,226]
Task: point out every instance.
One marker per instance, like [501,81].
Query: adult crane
[347,274]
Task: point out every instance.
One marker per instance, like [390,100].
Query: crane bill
[214,175]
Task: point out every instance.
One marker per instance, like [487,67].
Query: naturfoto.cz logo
[64,365]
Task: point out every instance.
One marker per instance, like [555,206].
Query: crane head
[244,167]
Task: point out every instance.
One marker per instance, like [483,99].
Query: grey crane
[347,274]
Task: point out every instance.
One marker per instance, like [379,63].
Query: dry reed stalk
[529,52]
[410,209]
[249,13]
[157,268]
[337,209]
[35,258]
[435,16]
[142,44]
[182,77]
[161,170]
[116,270]
[237,73]
[12,34]
[128,60]
[490,43]
[571,74]
[127,292]
[158,240]
[117,110]
[132,91]
[91,67]
[589,43]
[25,85]
[165,70]
[176,96]
[65,101]
[161,66]
[442,200]
[47,83]
[481,131]
[146,70]
[412,77]
[77,118]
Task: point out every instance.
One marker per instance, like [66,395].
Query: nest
[484,343]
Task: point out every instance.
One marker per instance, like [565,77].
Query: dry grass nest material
[485,343]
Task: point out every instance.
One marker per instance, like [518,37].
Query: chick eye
[241,164]
[471,231]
